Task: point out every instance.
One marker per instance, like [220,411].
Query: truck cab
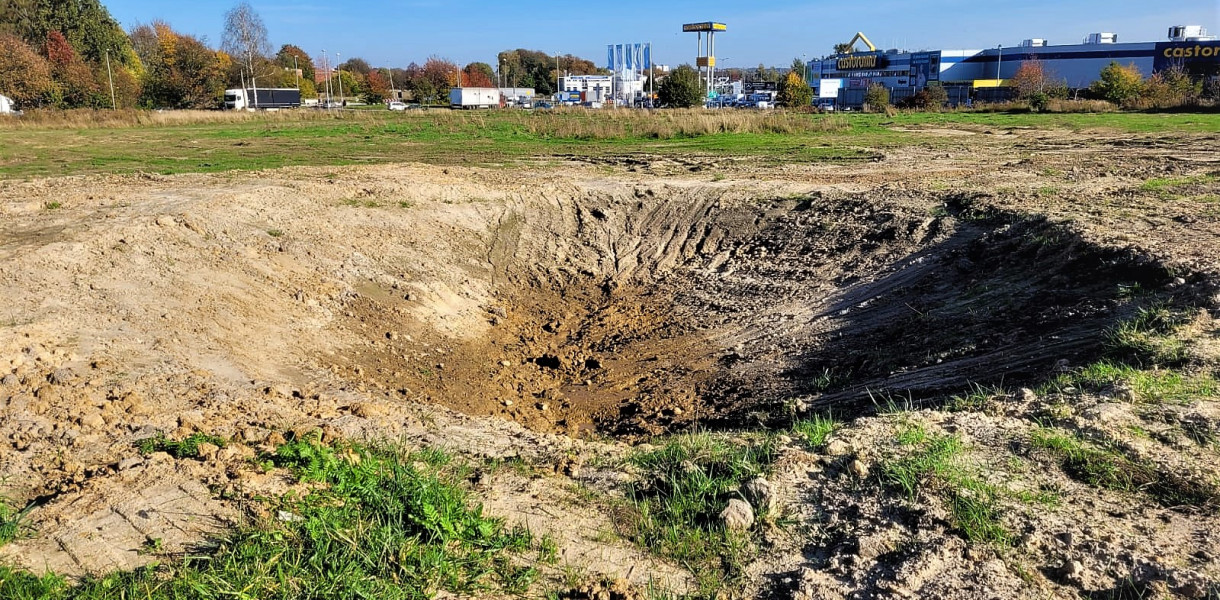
[236,100]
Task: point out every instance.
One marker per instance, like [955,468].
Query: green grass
[1148,338]
[934,463]
[275,233]
[497,137]
[10,522]
[186,448]
[816,430]
[675,507]
[1110,469]
[1161,184]
[979,397]
[1148,385]
[53,205]
[378,522]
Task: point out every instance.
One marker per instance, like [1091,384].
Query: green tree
[844,48]
[478,74]
[794,92]
[86,24]
[876,98]
[1119,84]
[682,89]
[293,57]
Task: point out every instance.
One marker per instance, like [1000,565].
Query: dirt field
[561,314]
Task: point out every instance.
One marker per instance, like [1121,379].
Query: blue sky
[396,32]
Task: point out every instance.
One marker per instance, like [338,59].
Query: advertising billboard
[709,26]
[925,68]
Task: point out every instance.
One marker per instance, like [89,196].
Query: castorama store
[842,79]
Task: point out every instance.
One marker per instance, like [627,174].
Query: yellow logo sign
[857,62]
[1188,52]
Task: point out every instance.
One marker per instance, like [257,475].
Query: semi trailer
[262,98]
[474,98]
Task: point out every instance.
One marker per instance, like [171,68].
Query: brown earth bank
[561,314]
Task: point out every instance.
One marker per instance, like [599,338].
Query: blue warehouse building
[841,80]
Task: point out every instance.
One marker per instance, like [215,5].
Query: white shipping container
[474,98]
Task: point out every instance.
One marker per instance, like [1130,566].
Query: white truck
[6,106]
[262,98]
[474,98]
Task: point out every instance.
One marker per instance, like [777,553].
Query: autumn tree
[1169,88]
[538,70]
[478,74]
[1118,84]
[794,92]
[357,65]
[376,89]
[682,89]
[182,71]
[25,76]
[77,85]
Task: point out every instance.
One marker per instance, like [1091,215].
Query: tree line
[73,54]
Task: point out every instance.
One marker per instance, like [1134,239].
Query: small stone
[859,469]
[130,462]
[62,376]
[506,363]
[761,493]
[391,335]
[543,406]
[508,402]
[1027,396]
[836,447]
[738,516]
[208,450]
[92,421]
[288,517]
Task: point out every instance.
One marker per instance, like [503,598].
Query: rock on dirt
[738,516]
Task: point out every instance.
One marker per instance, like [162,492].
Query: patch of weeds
[1048,191]
[187,448]
[829,378]
[52,205]
[10,522]
[379,522]
[889,403]
[817,429]
[979,398]
[1164,184]
[1147,385]
[1051,172]
[275,233]
[677,502]
[1148,337]
[719,177]
[405,204]
[933,463]
[358,203]
[1109,469]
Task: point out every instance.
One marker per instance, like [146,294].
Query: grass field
[213,142]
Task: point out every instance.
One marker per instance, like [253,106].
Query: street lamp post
[339,76]
[999,60]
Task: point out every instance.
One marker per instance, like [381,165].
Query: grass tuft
[1109,469]
[676,505]
[817,429]
[379,522]
[933,463]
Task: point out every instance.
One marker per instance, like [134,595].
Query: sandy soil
[551,312]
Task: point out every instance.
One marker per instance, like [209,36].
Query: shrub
[794,92]
[877,98]
[681,89]
[1119,84]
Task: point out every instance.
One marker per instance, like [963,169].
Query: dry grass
[1054,105]
[576,123]
[669,124]
[109,119]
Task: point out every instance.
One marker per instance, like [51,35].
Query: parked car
[544,105]
[397,106]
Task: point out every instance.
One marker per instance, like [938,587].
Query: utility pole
[999,60]
[339,76]
[113,105]
[297,69]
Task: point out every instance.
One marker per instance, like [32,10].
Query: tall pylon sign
[706,60]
